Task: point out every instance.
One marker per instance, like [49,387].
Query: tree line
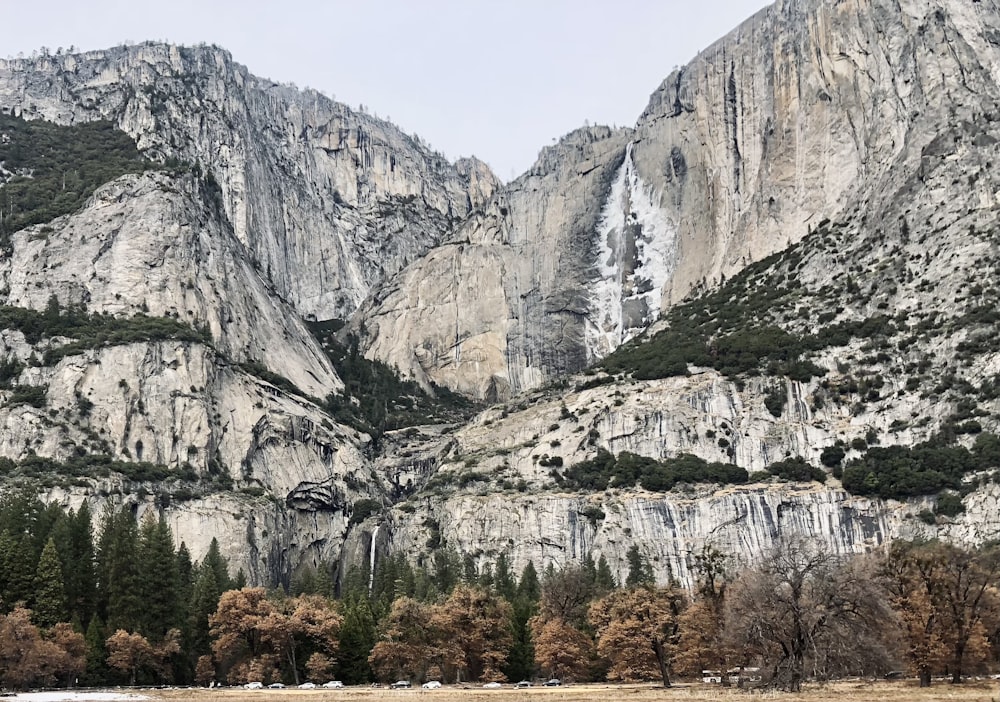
[121,604]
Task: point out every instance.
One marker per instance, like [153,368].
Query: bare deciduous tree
[804,611]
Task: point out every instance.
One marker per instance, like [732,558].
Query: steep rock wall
[808,111]
[327,200]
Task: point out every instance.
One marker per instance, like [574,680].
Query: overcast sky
[497,79]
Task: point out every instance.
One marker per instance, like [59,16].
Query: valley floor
[905,691]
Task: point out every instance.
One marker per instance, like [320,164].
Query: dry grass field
[904,691]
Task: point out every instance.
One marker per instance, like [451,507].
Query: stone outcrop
[328,200]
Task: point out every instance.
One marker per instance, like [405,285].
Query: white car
[255,685]
[307,686]
[333,684]
[492,685]
[431,685]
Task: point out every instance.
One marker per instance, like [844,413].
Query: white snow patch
[636,256]
[76,696]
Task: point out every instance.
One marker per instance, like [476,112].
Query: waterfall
[371,560]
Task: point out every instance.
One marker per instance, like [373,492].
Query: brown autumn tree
[74,651]
[318,667]
[803,608]
[407,641]
[204,671]
[637,631]
[26,658]
[238,632]
[254,635]
[293,623]
[561,650]
[129,653]
[475,633]
[946,599]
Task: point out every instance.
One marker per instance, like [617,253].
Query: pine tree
[97,654]
[118,570]
[79,572]
[21,576]
[204,600]
[521,659]
[605,580]
[639,572]
[357,638]
[158,579]
[50,595]
[219,565]
[503,579]
[528,585]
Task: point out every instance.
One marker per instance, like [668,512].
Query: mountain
[765,309]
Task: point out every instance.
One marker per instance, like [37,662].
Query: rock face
[327,200]
[809,110]
[878,115]
[498,308]
[153,244]
[264,471]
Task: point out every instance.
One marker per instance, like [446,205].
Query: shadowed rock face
[327,200]
[807,111]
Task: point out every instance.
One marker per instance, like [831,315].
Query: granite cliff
[823,176]
[809,110]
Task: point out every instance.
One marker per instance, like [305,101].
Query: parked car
[333,684]
[431,685]
[307,686]
[492,685]
[523,683]
[401,685]
[255,685]
[276,686]
[554,682]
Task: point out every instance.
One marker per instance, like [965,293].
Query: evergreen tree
[118,571]
[204,600]
[447,570]
[357,638]
[8,548]
[240,581]
[97,655]
[185,571]
[185,582]
[219,565]
[503,579]
[21,576]
[324,580]
[521,659]
[605,580]
[158,579]
[639,572]
[528,585]
[50,594]
[78,565]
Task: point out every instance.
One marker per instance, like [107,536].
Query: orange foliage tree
[28,658]
[637,631]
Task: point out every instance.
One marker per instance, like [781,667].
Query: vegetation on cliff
[48,170]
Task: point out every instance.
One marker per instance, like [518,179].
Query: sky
[498,79]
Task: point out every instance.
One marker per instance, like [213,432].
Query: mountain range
[768,308]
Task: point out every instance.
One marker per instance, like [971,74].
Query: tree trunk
[661,660]
[956,673]
[925,677]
